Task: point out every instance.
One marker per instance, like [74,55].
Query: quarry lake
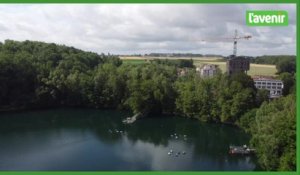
[95,140]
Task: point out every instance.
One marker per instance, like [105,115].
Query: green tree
[286,66]
[262,95]
[274,134]
[288,82]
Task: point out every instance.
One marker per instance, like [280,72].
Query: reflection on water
[84,139]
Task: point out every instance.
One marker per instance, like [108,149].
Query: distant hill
[181,55]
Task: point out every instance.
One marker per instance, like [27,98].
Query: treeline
[35,74]
[180,63]
[221,98]
[41,75]
[284,63]
[181,55]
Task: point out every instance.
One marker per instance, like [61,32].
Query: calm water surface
[85,139]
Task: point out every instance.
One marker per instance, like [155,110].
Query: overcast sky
[132,28]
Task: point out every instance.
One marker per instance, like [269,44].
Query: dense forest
[178,63]
[42,75]
[273,130]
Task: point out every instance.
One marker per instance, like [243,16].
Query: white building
[207,70]
[272,85]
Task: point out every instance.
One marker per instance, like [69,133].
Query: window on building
[272,92]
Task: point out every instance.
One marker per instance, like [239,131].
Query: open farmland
[140,60]
[255,69]
[262,69]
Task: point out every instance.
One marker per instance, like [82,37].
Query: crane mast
[235,38]
[235,43]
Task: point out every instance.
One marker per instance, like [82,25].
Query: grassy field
[141,60]
[128,61]
[255,69]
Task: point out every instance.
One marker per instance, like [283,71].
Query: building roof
[209,67]
[261,77]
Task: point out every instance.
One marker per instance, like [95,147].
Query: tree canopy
[274,134]
[284,63]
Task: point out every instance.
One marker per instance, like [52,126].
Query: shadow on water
[87,139]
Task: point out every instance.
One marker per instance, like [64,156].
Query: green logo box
[267,18]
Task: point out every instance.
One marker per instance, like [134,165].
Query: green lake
[97,140]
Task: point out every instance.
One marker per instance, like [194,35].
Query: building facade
[208,70]
[237,64]
[274,86]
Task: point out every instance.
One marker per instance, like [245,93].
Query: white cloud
[155,157]
[132,28]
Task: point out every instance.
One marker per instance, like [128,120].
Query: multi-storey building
[237,64]
[274,86]
[208,70]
